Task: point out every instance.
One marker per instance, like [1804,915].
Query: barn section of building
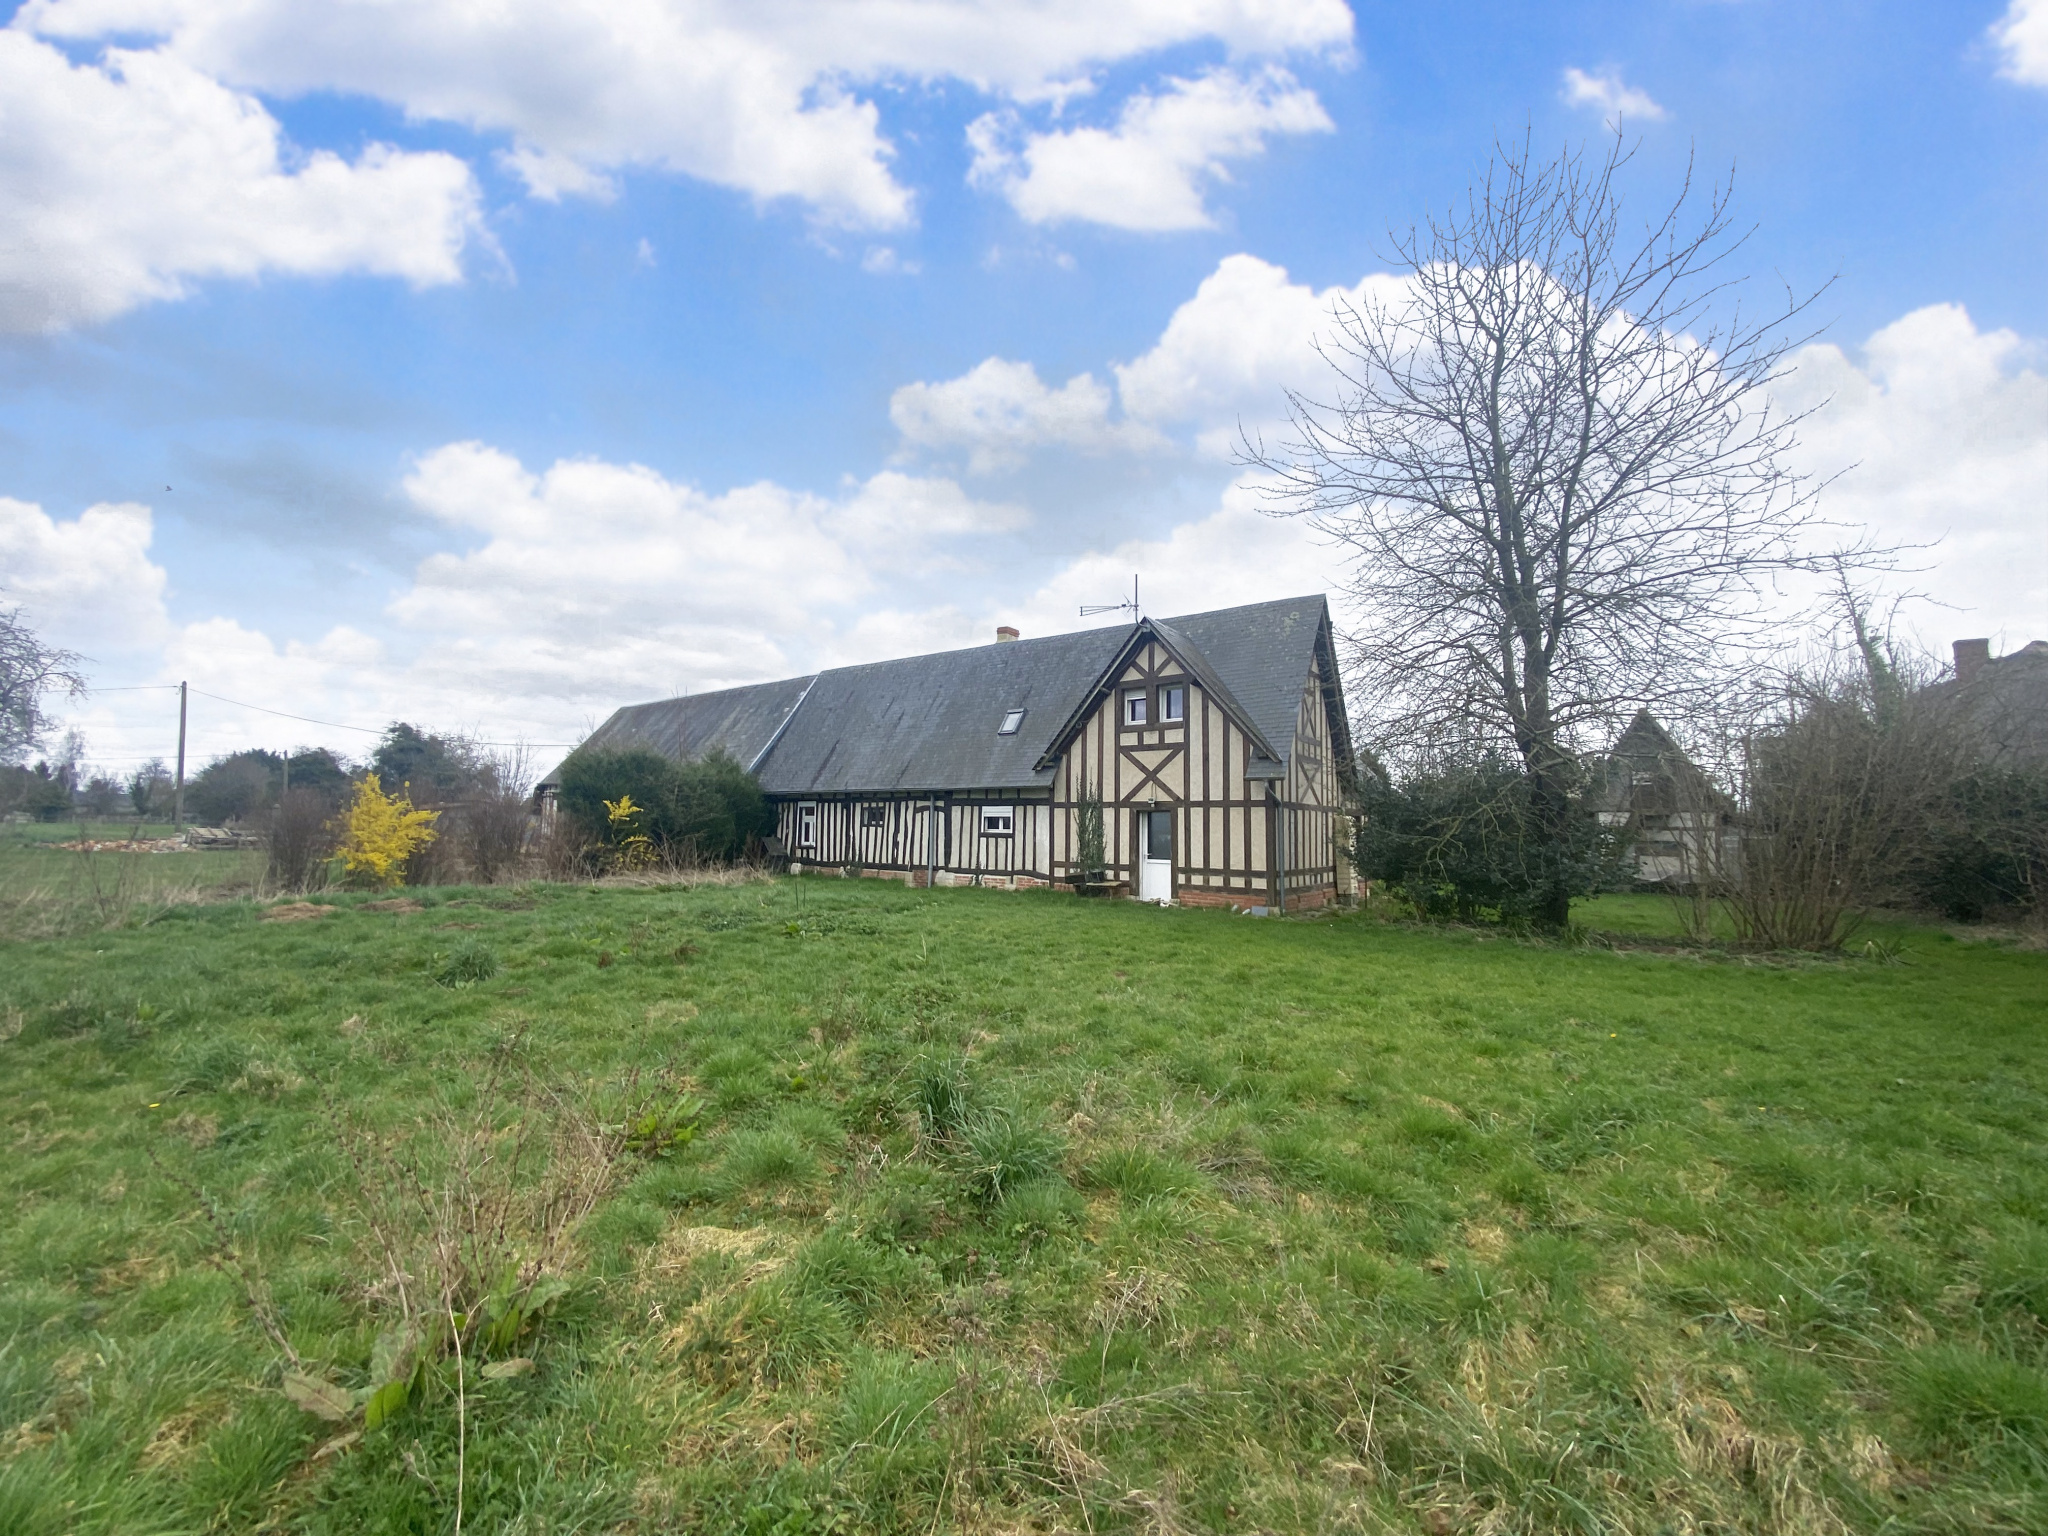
[1216,742]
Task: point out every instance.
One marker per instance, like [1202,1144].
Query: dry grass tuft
[681,1246]
[172,1441]
[686,877]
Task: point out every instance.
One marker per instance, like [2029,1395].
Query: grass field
[1016,1213]
[47,891]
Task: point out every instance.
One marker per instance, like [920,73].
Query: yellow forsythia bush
[379,833]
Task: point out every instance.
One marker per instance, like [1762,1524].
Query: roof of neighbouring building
[2006,702]
[930,723]
[1646,772]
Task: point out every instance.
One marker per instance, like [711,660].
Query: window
[1134,709]
[873,816]
[807,825]
[1159,835]
[1010,723]
[998,820]
[1173,702]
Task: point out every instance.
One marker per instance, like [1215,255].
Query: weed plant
[913,1211]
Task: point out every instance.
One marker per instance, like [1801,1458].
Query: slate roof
[1648,773]
[2006,703]
[928,723]
[741,721]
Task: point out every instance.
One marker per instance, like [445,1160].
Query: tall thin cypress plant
[1088,836]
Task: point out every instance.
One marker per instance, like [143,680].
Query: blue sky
[494,375]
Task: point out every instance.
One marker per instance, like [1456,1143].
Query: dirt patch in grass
[296,912]
[394,904]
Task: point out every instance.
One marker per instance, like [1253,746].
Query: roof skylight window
[1011,721]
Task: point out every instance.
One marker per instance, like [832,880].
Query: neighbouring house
[1217,744]
[1680,826]
[2004,700]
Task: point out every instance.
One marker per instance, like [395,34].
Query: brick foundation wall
[1195,896]
[1308,900]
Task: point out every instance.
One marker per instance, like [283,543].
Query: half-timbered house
[1216,744]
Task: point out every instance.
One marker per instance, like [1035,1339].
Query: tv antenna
[1128,605]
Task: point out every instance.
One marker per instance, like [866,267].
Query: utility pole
[287,774]
[178,795]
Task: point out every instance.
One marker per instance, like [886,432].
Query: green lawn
[1015,1212]
[46,890]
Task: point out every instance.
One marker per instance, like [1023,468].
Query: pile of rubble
[191,838]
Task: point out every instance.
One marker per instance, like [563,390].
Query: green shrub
[1463,842]
[708,808]
[1987,848]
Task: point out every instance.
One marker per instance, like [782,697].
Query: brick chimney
[1005,632]
[1971,655]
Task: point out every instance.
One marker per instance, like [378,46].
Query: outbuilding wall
[920,836]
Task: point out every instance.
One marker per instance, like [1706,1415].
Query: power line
[333,725]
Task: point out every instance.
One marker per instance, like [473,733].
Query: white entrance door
[1155,867]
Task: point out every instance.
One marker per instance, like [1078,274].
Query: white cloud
[1227,356]
[1606,94]
[89,584]
[1948,428]
[587,584]
[1000,410]
[756,95]
[1151,171]
[2022,37]
[894,508]
[1236,554]
[551,177]
[1231,352]
[882,261]
[122,182]
[610,580]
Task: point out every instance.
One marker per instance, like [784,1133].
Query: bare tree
[29,671]
[496,823]
[1553,456]
[1847,766]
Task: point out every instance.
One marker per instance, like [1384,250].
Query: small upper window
[998,820]
[1173,702]
[1134,709]
[1010,723]
[873,816]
